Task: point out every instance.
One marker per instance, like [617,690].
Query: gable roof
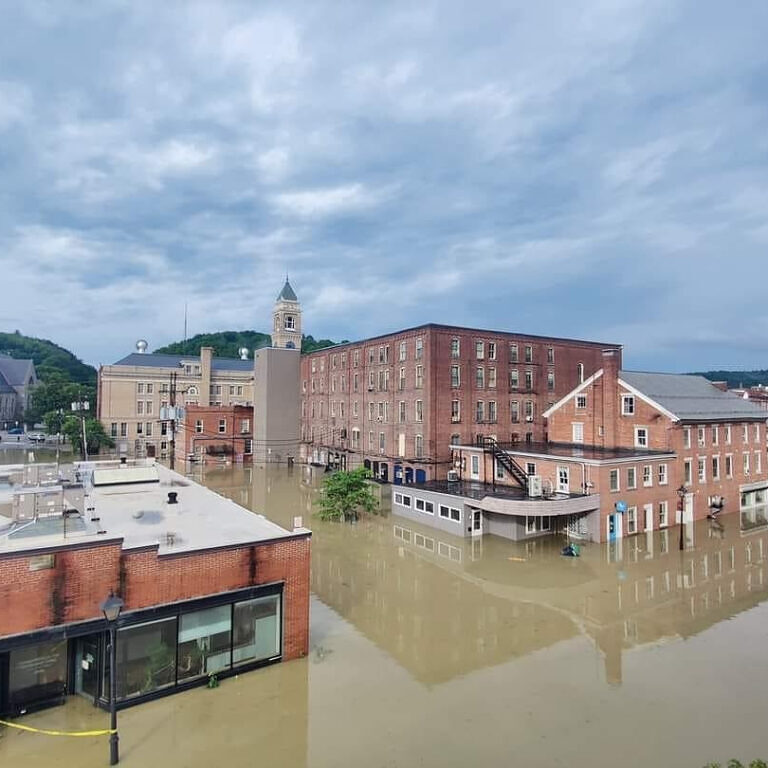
[5,387]
[15,372]
[287,294]
[175,361]
[691,398]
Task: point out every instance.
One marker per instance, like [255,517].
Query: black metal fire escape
[489,445]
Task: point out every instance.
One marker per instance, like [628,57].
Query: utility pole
[82,407]
[172,402]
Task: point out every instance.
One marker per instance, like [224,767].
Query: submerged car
[36,437]
[16,431]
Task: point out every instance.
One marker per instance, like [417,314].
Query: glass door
[87,657]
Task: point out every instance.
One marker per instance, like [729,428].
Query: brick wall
[82,577]
[232,439]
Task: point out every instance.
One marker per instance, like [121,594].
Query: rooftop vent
[141,346]
[243,351]
[173,497]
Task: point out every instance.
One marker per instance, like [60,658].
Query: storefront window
[37,673]
[146,655]
[204,642]
[256,629]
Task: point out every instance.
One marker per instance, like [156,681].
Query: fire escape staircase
[489,445]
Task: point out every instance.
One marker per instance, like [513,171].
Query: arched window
[580,373]
[192,391]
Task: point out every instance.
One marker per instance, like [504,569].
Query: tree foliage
[57,393]
[94,430]
[737,378]
[51,360]
[228,343]
[732,763]
[345,494]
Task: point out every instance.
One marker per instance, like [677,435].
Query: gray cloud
[595,169]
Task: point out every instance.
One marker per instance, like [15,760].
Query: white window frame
[577,431]
[647,476]
[627,405]
[642,442]
[631,478]
[663,474]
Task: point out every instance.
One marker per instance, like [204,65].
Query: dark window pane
[257,629]
[205,639]
[37,673]
[146,655]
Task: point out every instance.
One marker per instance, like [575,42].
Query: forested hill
[737,378]
[49,358]
[228,343]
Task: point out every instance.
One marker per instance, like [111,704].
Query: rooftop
[130,502]
[480,491]
[692,398]
[440,327]
[287,294]
[581,452]
[139,360]
[15,371]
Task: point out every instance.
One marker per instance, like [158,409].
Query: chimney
[206,358]
[610,389]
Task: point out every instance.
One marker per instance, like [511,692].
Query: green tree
[94,430]
[50,358]
[57,393]
[732,763]
[344,494]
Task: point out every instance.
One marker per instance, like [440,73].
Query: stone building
[397,403]
[17,380]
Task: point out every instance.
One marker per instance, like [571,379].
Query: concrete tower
[286,319]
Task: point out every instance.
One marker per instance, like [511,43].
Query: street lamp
[82,407]
[111,608]
[682,492]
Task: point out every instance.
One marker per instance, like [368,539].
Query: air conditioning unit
[455,419]
[529,418]
[370,388]
[534,486]
[453,476]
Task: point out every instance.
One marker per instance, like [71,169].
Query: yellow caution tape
[46,732]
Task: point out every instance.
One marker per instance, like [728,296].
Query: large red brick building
[209,587]
[212,433]
[396,403]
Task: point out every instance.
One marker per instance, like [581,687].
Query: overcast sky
[588,169]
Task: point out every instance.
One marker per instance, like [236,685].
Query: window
[631,519]
[491,350]
[662,474]
[614,480]
[746,464]
[419,348]
[455,410]
[248,446]
[701,469]
[577,432]
[419,376]
[123,429]
[647,476]
[715,467]
[479,411]
[514,411]
[550,381]
[146,655]
[727,434]
[513,353]
[627,405]
[113,429]
[580,373]
[663,514]
[551,355]
[455,439]
[686,437]
[450,513]
[641,437]
[688,472]
[758,463]
[355,359]
[204,642]
[757,431]
[370,440]
[528,353]
[700,437]
[401,412]
[199,426]
[530,524]
[530,468]
[455,376]
[148,429]
[480,350]
[256,629]
[514,378]
[290,322]
[140,407]
[581,402]
[528,381]
[631,478]
[222,426]
[492,378]
[728,465]
[480,377]
[419,405]
[455,348]
[745,433]
[715,435]
[418,442]
[492,411]
[529,410]
[42,562]
[382,443]
[140,389]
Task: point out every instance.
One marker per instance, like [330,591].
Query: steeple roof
[287,294]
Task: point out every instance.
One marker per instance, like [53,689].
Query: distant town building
[215,433]
[757,395]
[398,403]
[209,588]
[134,393]
[626,453]
[17,380]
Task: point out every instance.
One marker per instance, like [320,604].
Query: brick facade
[216,432]
[81,576]
[403,398]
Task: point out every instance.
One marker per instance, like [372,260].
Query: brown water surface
[429,650]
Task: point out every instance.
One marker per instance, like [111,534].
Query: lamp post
[111,608]
[82,406]
[682,492]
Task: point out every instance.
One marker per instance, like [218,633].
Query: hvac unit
[453,476]
[529,418]
[534,486]
[455,419]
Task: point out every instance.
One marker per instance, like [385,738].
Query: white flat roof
[140,514]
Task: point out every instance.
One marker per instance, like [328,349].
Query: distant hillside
[49,358]
[228,343]
[737,378]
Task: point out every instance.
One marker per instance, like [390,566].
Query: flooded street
[430,650]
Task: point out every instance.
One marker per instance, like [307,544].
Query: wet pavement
[430,650]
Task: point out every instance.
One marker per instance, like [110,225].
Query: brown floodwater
[430,650]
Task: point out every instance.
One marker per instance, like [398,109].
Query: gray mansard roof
[176,361]
[692,398]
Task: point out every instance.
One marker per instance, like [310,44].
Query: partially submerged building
[209,587]
[625,452]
